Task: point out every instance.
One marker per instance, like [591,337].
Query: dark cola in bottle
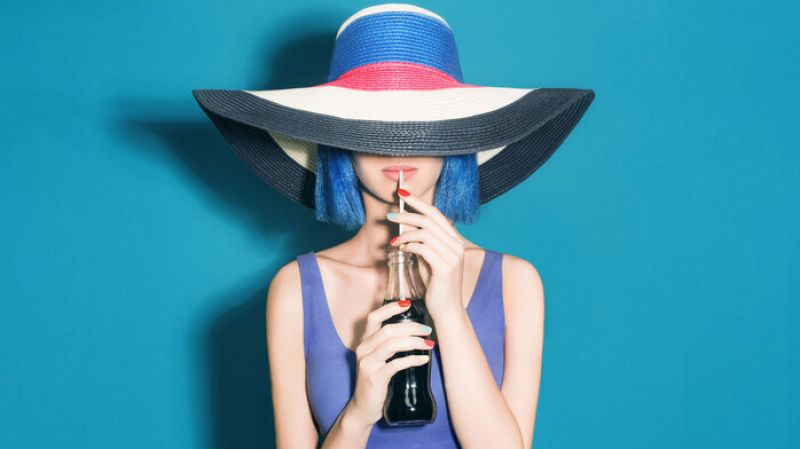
[409,401]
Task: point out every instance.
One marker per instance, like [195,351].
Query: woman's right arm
[294,424]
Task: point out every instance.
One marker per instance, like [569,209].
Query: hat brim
[516,129]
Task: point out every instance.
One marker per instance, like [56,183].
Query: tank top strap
[488,315]
[489,294]
[312,290]
[494,270]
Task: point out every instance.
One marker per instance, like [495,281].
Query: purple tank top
[331,366]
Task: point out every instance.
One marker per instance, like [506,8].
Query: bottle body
[409,400]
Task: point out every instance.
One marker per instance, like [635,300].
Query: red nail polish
[403,192]
[429,342]
[394,239]
[404,302]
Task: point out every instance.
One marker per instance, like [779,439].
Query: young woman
[354,277]
[395,99]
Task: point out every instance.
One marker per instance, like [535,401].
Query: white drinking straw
[402,260]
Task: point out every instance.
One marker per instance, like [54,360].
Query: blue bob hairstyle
[338,196]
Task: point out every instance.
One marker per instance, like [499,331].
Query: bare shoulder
[523,291]
[518,268]
[284,303]
[284,300]
[286,281]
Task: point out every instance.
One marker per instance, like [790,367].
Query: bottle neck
[403,280]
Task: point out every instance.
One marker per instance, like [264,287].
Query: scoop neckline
[478,285]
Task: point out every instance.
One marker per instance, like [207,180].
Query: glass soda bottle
[409,401]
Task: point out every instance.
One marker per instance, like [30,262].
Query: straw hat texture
[394,87]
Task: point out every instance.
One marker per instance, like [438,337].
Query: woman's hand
[379,344]
[439,243]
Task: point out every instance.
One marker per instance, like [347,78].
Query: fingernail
[403,192]
[393,239]
[425,328]
[429,342]
[391,215]
[404,302]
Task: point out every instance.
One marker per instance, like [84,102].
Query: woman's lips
[393,172]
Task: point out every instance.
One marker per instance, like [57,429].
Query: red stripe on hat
[394,76]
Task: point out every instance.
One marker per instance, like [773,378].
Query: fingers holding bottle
[376,362]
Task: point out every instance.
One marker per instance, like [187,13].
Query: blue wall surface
[137,249]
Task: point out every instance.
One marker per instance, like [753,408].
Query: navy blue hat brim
[531,129]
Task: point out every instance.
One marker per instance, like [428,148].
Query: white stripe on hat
[387,7]
[394,105]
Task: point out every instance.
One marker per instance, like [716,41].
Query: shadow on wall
[240,402]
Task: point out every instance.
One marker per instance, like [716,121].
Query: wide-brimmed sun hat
[394,88]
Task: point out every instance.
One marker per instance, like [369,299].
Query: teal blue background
[137,249]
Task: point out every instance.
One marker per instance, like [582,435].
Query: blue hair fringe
[338,196]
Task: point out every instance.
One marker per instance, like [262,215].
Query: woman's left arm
[482,414]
